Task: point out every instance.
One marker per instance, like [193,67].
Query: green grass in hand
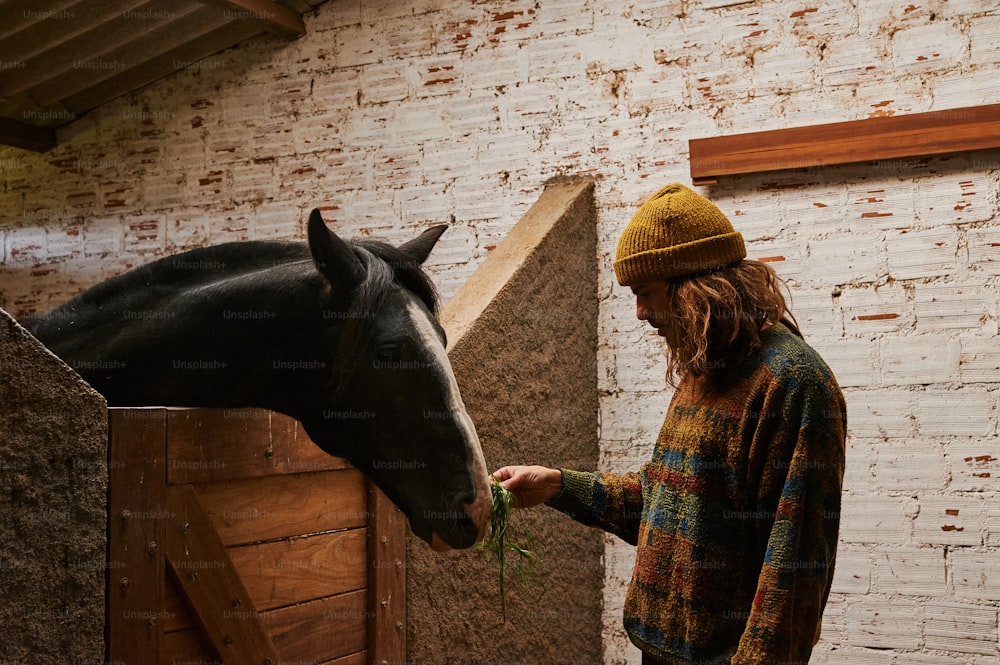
[500,542]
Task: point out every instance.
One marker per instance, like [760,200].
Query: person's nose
[642,311]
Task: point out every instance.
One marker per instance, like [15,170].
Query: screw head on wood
[192,576]
[123,583]
[237,602]
[185,527]
[152,547]
[126,515]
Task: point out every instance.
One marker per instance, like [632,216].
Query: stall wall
[522,334]
[393,115]
[53,497]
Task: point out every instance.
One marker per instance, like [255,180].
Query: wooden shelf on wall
[887,137]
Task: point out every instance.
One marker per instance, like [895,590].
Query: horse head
[391,404]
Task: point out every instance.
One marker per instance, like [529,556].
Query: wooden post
[137,507]
[386,580]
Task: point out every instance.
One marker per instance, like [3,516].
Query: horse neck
[274,340]
[248,341]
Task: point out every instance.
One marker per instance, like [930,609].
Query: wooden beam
[890,137]
[137,504]
[208,580]
[28,137]
[386,580]
[274,18]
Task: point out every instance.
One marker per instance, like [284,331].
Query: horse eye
[386,354]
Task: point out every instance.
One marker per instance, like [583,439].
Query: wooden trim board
[890,137]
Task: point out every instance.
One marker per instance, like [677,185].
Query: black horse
[341,336]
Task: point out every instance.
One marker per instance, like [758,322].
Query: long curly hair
[716,318]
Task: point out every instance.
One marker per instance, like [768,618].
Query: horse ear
[332,256]
[420,247]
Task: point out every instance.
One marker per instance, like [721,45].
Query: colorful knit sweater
[736,516]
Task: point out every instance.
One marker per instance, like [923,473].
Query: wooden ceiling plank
[874,139]
[103,32]
[162,65]
[112,62]
[276,19]
[21,14]
[50,36]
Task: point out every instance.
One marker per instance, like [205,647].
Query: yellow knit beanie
[676,232]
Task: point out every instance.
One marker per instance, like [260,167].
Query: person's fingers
[503,473]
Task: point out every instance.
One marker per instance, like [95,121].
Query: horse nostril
[464,501]
[476,506]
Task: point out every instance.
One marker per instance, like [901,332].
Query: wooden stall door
[232,538]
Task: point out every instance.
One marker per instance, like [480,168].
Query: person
[735,517]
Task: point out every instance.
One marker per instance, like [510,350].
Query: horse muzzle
[468,530]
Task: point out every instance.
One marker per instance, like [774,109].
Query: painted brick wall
[390,115]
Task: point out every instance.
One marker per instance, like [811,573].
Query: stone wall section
[53,496]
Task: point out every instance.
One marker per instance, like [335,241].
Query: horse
[340,335]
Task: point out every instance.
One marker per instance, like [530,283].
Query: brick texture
[392,116]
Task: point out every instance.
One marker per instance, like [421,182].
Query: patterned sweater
[736,516]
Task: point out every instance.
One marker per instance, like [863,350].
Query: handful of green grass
[499,543]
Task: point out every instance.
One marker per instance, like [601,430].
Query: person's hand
[531,485]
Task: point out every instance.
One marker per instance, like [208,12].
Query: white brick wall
[885,623]
[910,572]
[392,115]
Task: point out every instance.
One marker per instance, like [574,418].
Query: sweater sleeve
[608,501]
[801,447]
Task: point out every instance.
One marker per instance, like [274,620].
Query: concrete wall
[53,494]
[391,115]
[522,337]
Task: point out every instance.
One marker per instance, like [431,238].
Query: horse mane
[401,267]
[382,265]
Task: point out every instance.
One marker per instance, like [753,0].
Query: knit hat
[676,232]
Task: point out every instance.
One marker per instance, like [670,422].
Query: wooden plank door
[264,549]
